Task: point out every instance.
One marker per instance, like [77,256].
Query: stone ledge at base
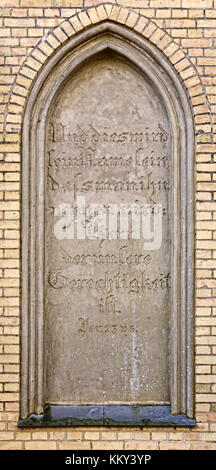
[113,415]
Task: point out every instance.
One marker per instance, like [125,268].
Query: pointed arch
[73,26]
[107,35]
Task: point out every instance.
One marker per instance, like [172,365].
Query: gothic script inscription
[108,143]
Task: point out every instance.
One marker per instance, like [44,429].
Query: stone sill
[114,415]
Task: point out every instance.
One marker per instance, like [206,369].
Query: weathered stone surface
[107,303]
[50,342]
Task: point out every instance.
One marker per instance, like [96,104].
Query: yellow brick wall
[186,32]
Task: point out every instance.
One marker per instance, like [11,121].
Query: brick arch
[77,23]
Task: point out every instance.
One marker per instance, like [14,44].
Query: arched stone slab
[154,374]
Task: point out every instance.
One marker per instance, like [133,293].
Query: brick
[195,13]
[140,25]
[4,11]
[149,30]
[205,397]
[9,358]
[180,23]
[6,436]
[33,32]
[171,49]
[11,349]
[101,12]
[71,3]
[11,292]
[195,52]
[142,435]
[76,23]
[179,13]
[163,13]
[60,34]
[206,167]
[22,12]
[207,61]
[9,244]
[177,57]
[35,12]
[176,436]
[40,445]
[11,253]
[196,42]
[75,445]
[8,340]
[48,22]
[203,446]
[203,158]
[28,43]
[169,3]
[11,387]
[197,4]
[4,32]
[211,244]
[57,435]
[209,436]
[132,19]
[148,12]
[208,23]
[94,436]
[39,435]
[11,215]
[9,148]
[159,436]
[74,435]
[10,445]
[207,283]
[11,273]
[67,12]
[124,435]
[204,196]
[164,42]
[195,91]
[19,22]
[134,3]
[9,367]
[51,12]
[192,436]
[84,18]
[39,55]
[205,206]
[108,435]
[69,30]
[93,15]
[25,82]
[23,435]
[9,397]
[210,70]
[206,186]
[176,18]
[140,445]
[189,72]
[210,13]
[190,82]
[4,378]
[174,445]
